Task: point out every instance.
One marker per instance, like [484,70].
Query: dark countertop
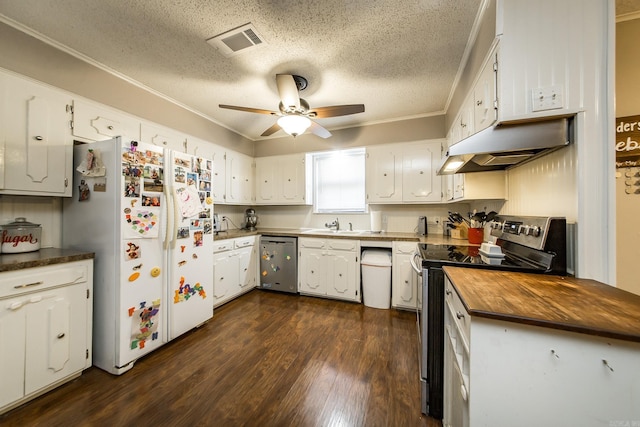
[435,239]
[45,256]
[558,302]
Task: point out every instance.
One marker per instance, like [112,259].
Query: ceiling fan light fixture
[294,125]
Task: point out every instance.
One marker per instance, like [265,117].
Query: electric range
[528,244]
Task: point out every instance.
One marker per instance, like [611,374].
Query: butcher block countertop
[577,305]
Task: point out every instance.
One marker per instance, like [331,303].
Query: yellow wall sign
[627,141]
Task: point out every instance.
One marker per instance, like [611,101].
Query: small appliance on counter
[20,236]
[250,219]
[216,223]
[422,225]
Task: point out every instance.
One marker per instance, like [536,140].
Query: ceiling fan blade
[319,130]
[288,91]
[249,110]
[273,129]
[337,110]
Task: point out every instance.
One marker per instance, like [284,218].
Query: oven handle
[415,267]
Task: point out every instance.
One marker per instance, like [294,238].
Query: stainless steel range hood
[506,145]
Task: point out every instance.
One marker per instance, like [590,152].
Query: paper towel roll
[376,221]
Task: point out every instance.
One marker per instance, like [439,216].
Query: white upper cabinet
[477,186]
[479,110]
[281,180]
[163,137]
[485,103]
[36,146]
[404,173]
[384,174]
[419,165]
[219,175]
[545,60]
[94,122]
[239,171]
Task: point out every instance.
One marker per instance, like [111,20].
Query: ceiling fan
[295,113]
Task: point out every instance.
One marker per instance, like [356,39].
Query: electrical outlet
[547,98]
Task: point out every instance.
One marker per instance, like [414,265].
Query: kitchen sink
[327,231]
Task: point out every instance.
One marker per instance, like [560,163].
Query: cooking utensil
[490,216]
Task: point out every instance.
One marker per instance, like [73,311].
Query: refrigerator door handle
[167,215]
[174,221]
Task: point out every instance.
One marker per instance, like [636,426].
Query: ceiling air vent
[236,41]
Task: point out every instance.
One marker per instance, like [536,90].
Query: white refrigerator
[147,214]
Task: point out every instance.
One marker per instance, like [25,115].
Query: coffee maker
[250,219]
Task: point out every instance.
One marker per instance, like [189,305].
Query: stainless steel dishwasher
[279,263]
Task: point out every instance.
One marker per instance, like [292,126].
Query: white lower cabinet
[329,268]
[235,267]
[45,329]
[406,287]
[499,373]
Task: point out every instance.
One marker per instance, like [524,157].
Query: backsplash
[45,211]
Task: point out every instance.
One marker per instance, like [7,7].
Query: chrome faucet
[335,224]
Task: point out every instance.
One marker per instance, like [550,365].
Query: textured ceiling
[399,58]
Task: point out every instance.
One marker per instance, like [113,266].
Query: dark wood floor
[265,359]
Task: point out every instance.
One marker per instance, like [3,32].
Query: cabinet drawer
[311,243]
[404,247]
[244,242]
[459,313]
[39,278]
[342,245]
[222,245]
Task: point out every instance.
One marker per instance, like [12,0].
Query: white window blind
[339,181]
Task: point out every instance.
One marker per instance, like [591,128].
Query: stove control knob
[535,231]
[524,229]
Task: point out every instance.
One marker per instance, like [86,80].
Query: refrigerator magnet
[84,191]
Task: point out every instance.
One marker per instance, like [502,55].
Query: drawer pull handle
[61,335]
[555,354]
[26,285]
[110,127]
[459,315]
[607,364]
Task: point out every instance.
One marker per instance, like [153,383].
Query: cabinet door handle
[110,127]
[26,285]
[61,335]
[459,315]
[448,292]
[463,392]
[38,138]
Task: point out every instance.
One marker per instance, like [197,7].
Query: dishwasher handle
[414,265]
